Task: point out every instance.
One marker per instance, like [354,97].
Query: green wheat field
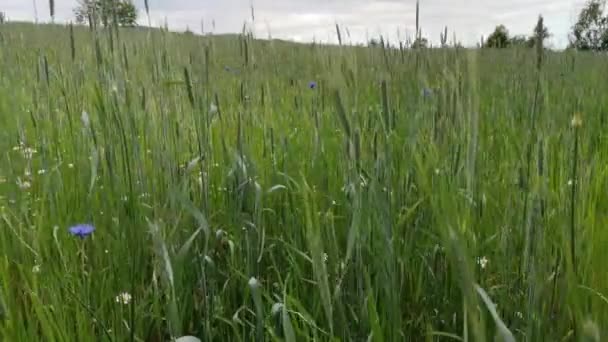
[261,190]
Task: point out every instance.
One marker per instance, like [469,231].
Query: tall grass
[411,195]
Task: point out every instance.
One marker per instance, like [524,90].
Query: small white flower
[28,152]
[519,315]
[437,171]
[123,298]
[41,171]
[36,269]
[27,173]
[106,251]
[325,257]
[86,122]
[213,108]
[482,262]
[254,284]
[570,182]
[23,185]
[70,166]
[363,181]
[276,308]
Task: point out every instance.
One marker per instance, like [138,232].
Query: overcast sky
[304,20]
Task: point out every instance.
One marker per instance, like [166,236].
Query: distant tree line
[500,38]
[589,33]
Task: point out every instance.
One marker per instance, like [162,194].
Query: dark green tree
[106,12]
[518,40]
[499,38]
[591,30]
[420,43]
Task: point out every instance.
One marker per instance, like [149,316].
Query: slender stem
[572,199]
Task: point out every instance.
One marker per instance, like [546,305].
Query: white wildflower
[254,284]
[36,269]
[70,166]
[482,262]
[41,171]
[86,122]
[363,182]
[28,152]
[123,298]
[23,185]
[213,108]
[276,308]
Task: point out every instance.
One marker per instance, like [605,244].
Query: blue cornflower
[427,92]
[312,85]
[82,230]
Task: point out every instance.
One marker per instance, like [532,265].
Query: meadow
[261,190]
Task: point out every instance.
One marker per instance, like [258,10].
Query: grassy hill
[443,194]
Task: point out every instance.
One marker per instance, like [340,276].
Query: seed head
[577,120]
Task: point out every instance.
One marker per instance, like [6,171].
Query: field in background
[249,190]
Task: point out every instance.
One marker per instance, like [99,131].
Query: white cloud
[305,20]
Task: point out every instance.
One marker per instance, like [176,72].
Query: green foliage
[539,34]
[519,40]
[106,12]
[591,30]
[420,43]
[499,38]
[437,194]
